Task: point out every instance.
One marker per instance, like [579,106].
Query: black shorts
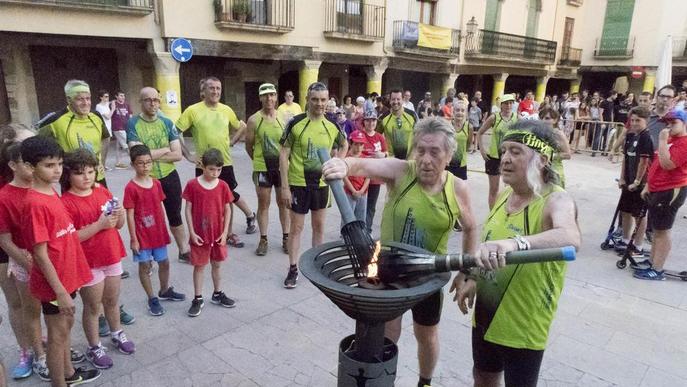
[461,172]
[267,179]
[492,167]
[520,366]
[632,202]
[4,258]
[227,175]
[171,186]
[304,199]
[663,206]
[428,311]
[51,308]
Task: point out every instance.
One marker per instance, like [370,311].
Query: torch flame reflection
[372,267]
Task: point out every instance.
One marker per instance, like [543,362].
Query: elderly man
[160,135]
[516,304]
[211,122]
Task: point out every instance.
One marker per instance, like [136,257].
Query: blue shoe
[124,317]
[620,246]
[103,326]
[171,295]
[154,307]
[649,274]
[642,265]
[24,368]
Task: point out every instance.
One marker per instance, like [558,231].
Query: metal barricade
[592,136]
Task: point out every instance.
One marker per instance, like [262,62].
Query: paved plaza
[610,329]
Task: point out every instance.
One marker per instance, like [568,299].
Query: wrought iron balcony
[136,7]
[680,49]
[614,48]
[354,20]
[406,39]
[256,15]
[498,45]
[570,56]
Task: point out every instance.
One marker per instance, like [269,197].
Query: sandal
[234,241]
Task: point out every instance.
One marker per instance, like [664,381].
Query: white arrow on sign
[181,50]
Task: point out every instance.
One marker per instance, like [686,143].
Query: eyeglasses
[151,100]
[144,163]
[666,96]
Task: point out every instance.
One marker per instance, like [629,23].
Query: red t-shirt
[149,218]
[526,105]
[207,208]
[46,220]
[105,247]
[374,143]
[661,179]
[12,201]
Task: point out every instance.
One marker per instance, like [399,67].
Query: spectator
[406,100]
[664,101]
[348,106]
[527,104]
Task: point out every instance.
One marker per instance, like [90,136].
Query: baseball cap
[507,98]
[266,88]
[370,114]
[357,136]
[675,115]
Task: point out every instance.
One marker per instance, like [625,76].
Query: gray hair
[74,84]
[203,83]
[432,125]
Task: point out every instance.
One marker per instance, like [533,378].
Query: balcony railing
[680,49]
[406,36]
[499,45]
[257,15]
[141,7]
[570,56]
[355,20]
[614,48]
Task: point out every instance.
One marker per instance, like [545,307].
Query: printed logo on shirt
[148,221]
[70,229]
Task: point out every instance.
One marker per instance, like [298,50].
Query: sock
[216,292]
[285,235]
[293,268]
[199,296]
[116,334]
[263,237]
[424,382]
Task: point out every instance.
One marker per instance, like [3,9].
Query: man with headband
[515,305]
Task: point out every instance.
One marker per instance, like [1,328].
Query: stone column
[374,77]
[499,86]
[308,73]
[20,84]
[650,80]
[541,88]
[449,82]
[168,83]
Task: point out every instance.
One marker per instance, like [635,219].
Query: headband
[532,141]
[76,89]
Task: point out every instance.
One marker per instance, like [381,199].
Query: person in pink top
[121,112]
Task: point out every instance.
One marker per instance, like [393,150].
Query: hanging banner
[434,37]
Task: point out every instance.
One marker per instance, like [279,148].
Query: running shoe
[122,343]
[250,224]
[82,376]
[154,307]
[125,274]
[222,299]
[650,274]
[235,241]
[76,356]
[103,326]
[98,357]
[262,247]
[24,368]
[171,295]
[620,246]
[291,278]
[196,307]
[40,368]
[185,257]
[124,317]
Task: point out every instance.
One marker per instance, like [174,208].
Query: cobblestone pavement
[610,329]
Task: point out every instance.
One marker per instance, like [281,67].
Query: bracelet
[523,244]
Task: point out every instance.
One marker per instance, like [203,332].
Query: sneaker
[457,227]
[262,247]
[196,306]
[185,257]
[250,224]
[124,317]
[642,265]
[620,246]
[637,253]
[234,241]
[40,368]
[121,166]
[103,327]
[171,295]
[291,278]
[123,344]
[82,376]
[23,369]
[222,299]
[125,274]
[285,245]
[649,274]
[76,356]
[154,307]
[98,357]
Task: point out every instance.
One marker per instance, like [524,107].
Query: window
[423,11]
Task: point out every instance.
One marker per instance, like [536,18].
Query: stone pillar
[168,83]
[308,73]
[499,86]
[650,80]
[575,85]
[541,88]
[374,77]
[449,82]
[20,84]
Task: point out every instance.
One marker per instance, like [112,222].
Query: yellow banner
[434,37]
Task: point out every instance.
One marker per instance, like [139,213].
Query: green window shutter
[533,12]
[617,23]
[491,19]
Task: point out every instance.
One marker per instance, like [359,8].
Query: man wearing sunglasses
[397,125]
[664,102]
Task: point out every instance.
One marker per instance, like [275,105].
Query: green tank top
[557,166]
[498,131]
[516,304]
[459,158]
[266,148]
[415,217]
[398,132]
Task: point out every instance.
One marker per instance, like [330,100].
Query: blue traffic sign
[181,49]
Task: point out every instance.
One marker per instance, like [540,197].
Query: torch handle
[337,188]
[454,262]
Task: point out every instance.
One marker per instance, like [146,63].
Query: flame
[372,267]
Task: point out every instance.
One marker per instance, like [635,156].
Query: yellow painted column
[575,85]
[167,81]
[449,83]
[649,80]
[374,77]
[307,75]
[499,87]
[541,88]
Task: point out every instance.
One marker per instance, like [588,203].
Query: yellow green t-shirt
[459,158]
[287,112]
[209,127]
[72,132]
[155,135]
[304,137]
[266,149]
[398,132]
[498,131]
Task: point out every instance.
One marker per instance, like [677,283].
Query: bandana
[76,89]
[532,141]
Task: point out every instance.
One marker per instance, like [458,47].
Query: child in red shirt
[87,203]
[60,267]
[22,307]
[356,186]
[145,218]
[208,213]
